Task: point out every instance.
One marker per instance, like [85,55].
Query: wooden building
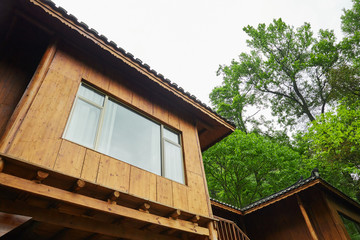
[95,144]
[311,209]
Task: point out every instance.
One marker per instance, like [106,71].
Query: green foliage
[243,168]
[286,68]
[334,143]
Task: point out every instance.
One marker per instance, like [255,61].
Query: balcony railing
[228,230]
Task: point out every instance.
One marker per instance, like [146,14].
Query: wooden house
[311,209]
[94,144]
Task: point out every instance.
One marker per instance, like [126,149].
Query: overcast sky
[187,40]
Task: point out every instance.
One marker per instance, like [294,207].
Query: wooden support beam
[175,214]
[195,219]
[2,164]
[213,232]
[98,205]
[113,197]
[144,207]
[79,184]
[40,176]
[306,218]
[80,223]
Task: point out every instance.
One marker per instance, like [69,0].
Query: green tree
[345,79]
[243,168]
[334,142]
[286,68]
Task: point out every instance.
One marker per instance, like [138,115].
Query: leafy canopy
[286,69]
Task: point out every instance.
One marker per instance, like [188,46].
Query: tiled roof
[72,18]
[298,184]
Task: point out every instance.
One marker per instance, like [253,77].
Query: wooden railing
[228,230]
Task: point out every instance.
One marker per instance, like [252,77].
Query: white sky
[187,40]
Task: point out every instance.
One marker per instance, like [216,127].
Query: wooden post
[213,233]
[40,176]
[2,164]
[78,185]
[144,207]
[113,197]
[307,219]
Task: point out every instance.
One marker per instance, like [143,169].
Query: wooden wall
[280,221]
[39,138]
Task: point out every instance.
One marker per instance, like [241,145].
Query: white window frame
[99,127]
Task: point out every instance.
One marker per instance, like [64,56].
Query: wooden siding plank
[180,196]
[114,174]
[120,91]
[191,151]
[197,199]
[164,191]
[141,183]
[91,166]
[70,159]
[38,139]
[141,101]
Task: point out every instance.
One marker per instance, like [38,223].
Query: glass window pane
[171,135]
[173,164]
[128,136]
[91,95]
[83,124]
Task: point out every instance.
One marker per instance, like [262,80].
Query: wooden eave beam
[98,205]
[286,195]
[80,223]
[102,44]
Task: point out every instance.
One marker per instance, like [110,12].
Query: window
[103,124]
[352,227]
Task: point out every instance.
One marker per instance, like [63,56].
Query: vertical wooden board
[139,182]
[160,111]
[69,64]
[164,191]
[141,101]
[91,166]
[70,159]
[197,198]
[174,120]
[40,152]
[120,90]
[45,121]
[191,150]
[180,196]
[95,74]
[114,174]
[142,183]
[153,187]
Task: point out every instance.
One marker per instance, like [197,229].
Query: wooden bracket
[40,176]
[174,215]
[78,185]
[144,207]
[2,164]
[113,197]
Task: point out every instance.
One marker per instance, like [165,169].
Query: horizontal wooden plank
[99,205]
[74,222]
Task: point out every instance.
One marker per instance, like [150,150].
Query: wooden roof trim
[285,195]
[48,9]
[228,208]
